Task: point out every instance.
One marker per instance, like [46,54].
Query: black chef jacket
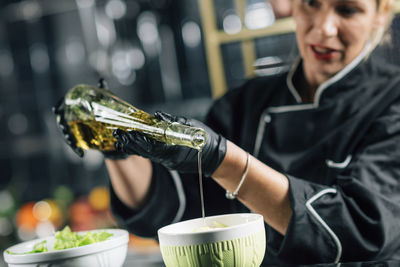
[341,155]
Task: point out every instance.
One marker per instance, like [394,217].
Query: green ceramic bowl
[240,244]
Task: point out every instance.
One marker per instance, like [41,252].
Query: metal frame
[214,38]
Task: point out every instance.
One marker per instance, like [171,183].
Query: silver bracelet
[233,195]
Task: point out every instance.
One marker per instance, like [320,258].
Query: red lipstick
[323,53]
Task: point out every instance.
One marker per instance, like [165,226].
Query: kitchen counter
[154,259]
[145,259]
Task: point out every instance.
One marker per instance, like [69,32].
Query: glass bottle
[93,113]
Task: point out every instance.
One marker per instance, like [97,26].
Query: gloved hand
[58,109]
[180,158]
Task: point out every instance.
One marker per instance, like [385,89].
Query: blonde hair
[384,5]
[381,34]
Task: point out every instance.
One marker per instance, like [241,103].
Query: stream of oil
[203,213]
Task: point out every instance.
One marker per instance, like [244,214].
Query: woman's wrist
[232,195]
[262,185]
[229,173]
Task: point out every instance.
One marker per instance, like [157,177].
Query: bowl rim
[120,238]
[215,235]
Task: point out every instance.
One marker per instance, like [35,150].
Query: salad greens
[67,239]
[37,248]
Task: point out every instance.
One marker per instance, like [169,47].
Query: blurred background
[171,55]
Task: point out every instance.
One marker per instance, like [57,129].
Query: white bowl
[109,253]
[240,244]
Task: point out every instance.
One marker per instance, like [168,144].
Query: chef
[315,150]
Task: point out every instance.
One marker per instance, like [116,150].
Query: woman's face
[331,33]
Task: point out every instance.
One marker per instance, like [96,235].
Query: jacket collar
[327,84]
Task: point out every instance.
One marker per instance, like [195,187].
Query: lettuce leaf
[67,239]
[37,248]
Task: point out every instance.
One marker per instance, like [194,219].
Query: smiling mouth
[323,53]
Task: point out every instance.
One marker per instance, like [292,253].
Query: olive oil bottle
[93,113]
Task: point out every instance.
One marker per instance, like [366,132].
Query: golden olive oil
[93,113]
[203,211]
[92,135]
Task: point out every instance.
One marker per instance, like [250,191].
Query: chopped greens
[67,239]
[40,247]
[37,248]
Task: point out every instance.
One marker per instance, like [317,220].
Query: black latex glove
[180,158]
[58,109]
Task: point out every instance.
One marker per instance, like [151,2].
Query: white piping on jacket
[339,165]
[265,117]
[181,196]
[323,223]
[321,88]
[289,80]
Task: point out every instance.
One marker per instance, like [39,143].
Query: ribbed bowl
[240,244]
